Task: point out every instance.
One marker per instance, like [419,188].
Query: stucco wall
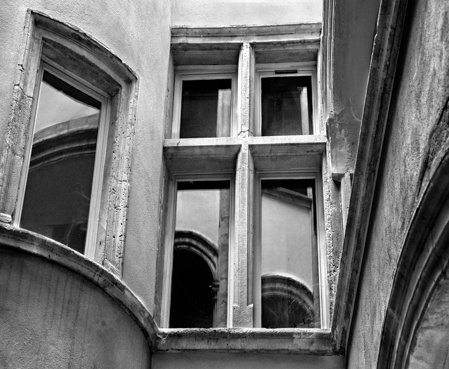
[142,42]
[51,317]
[420,96]
[215,13]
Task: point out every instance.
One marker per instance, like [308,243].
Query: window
[63,181]
[273,261]
[67,152]
[286,100]
[204,103]
[286,251]
[200,255]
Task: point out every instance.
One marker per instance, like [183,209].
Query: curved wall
[60,310]
[138,33]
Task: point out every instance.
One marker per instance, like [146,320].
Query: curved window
[62,164]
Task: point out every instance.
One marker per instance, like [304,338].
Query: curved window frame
[48,65]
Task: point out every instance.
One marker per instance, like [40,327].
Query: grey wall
[53,318]
[420,95]
[215,13]
[138,32]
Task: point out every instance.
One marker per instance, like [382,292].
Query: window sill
[285,340]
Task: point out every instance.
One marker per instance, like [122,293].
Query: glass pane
[200,256]
[206,108]
[289,272]
[58,189]
[287,106]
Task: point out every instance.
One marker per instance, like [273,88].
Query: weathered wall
[51,317]
[197,360]
[420,96]
[142,42]
[216,13]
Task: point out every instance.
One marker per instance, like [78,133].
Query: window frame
[74,52]
[46,65]
[320,262]
[308,69]
[170,230]
[206,72]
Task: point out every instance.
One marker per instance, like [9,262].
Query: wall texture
[419,98]
[216,13]
[53,318]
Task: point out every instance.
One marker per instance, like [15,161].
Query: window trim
[192,73]
[269,71]
[169,238]
[321,262]
[70,78]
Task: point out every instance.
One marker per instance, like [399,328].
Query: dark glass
[200,257]
[287,106]
[206,106]
[59,183]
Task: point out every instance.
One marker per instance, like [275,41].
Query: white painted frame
[170,233]
[100,152]
[204,72]
[316,175]
[269,71]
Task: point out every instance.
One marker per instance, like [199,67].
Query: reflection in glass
[290,297]
[206,108]
[200,257]
[59,182]
[287,106]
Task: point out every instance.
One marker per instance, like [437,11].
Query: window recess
[64,180]
[204,104]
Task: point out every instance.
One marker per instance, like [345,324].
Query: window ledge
[285,340]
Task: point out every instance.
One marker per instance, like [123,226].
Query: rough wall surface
[216,13]
[419,99]
[143,44]
[191,360]
[51,317]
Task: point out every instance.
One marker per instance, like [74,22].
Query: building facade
[224,184]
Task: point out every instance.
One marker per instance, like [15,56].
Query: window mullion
[241,263]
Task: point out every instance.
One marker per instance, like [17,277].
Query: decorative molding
[377,102]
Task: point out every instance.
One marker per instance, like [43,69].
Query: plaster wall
[51,317]
[419,99]
[198,360]
[138,33]
[352,31]
[216,13]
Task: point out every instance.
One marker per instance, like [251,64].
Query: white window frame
[316,175]
[100,152]
[170,233]
[269,71]
[193,73]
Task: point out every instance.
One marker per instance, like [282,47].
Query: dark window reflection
[206,108]
[287,106]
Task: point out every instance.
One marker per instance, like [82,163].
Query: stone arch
[420,294]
